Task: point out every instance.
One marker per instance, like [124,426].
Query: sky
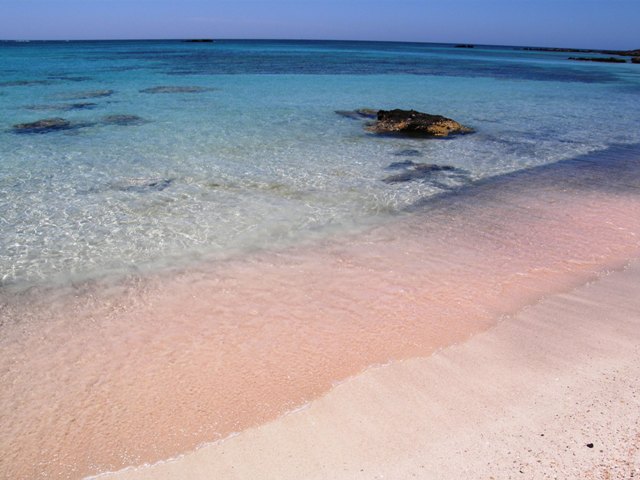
[607,24]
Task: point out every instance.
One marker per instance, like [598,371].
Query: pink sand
[552,392]
[111,376]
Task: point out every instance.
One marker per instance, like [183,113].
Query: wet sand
[104,375]
[552,392]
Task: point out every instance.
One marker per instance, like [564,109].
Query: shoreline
[143,371]
[552,390]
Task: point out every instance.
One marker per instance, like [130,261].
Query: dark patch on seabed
[410,152]
[63,107]
[408,171]
[67,78]
[24,83]
[142,185]
[176,89]
[123,120]
[48,125]
[614,170]
[88,94]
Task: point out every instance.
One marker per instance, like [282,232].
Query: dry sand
[551,392]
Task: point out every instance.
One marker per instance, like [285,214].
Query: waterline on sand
[152,367]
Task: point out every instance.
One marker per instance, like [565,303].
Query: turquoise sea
[244,150]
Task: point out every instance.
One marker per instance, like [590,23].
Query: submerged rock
[175,89]
[408,153]
[89,94]
[440,176]
[68,78]
[23,83]
[359,114]
[401,165]
[63,107]
[43,126]
[142,185]
[411,122]
[123,120]
[415,171]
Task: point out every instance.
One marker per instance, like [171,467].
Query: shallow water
[235,248]
[251,153]
[108,374]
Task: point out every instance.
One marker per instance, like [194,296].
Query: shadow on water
[615,170]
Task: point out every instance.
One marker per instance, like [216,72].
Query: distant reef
[635,54]
[624,53]
[600,59]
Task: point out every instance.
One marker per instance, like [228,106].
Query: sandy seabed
[106,375]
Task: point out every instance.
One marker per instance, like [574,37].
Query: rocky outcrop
[43,126]
[465,45]
[198,40]
[411,122]
[635,60]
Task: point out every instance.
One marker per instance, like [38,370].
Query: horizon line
[213,39]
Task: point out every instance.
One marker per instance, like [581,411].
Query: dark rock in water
[635,60]
[23,83]
[465,45]
[359,114]
[415,171]
[63,107]
[198,40]
[599,59]
[43,126]
[143,185]
[90,94]
[175,89]
[401,165]
[411,122]
[123,120]
[626,53]
[408,153]
[69,78]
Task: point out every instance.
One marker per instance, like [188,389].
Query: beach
[550,392]
[126,392]
[212,264]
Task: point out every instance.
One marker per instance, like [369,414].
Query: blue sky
[567,23]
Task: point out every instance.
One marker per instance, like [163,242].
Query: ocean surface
[244,150]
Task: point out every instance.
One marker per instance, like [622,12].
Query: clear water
[256,158]
[248,162]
